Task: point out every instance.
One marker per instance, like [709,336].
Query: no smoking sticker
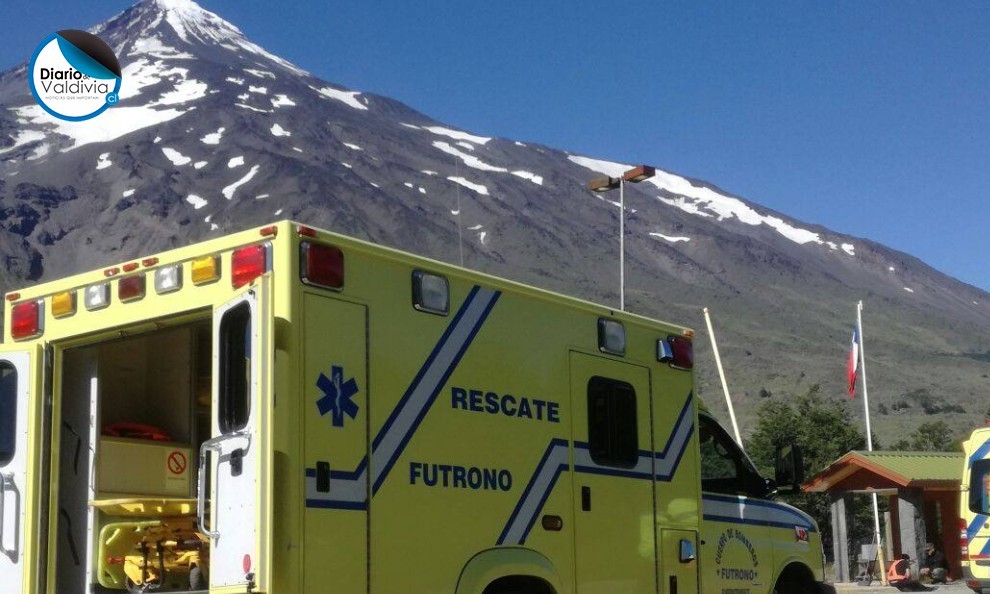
[177,462]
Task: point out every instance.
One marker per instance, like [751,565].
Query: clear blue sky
[871,118]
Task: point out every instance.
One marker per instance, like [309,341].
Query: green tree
[934,436]
[826,430]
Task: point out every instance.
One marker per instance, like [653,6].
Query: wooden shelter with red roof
[923,492]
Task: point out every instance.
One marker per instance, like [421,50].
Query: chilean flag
[853,363]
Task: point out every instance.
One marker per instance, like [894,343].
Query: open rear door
[236,458]
[15,390]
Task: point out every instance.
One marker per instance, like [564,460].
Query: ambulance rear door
[235,501]
[15,390]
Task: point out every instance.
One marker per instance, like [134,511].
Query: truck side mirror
[789,468]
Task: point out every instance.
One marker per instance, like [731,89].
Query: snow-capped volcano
[213,133]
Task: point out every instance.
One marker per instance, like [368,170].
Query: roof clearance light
[431,293]
[205,270]
[64,304]
[683,350]
[321,265]
[130,266]
[248,263]
[168,279]
[130,288]
[27,320]
[611,337]
[97,296]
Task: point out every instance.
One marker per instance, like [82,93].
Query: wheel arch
[509,566]
[794,578]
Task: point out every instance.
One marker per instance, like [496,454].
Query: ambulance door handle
[322,477]
[586,498]
[3,518]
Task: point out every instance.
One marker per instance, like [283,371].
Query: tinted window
[235,369]
[612,435]
[8,412]
[979,487]
[724,467]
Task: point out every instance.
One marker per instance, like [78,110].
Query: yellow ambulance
[974,526]
[289,411]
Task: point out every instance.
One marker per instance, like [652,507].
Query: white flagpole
[721,375]
[869,433]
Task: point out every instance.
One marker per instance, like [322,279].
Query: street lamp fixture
[604,184]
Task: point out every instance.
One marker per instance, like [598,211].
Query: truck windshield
[8,412]
[979,487]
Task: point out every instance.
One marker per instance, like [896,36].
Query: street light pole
[604,184]
[622,245]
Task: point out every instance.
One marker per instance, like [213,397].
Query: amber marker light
[64,304]
[205,270]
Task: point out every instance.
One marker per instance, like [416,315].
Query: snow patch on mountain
[346,97]
[228,192]
[456,134]
[669,238]
[197,203]
[279,131]
[469,160]
[703,201]
[282,100]
[153,46]
[104,161]
[536,179]
[479,188]
[353,147]
[235,162]
[177,158]
[213,137]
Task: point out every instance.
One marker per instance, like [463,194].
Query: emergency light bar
[168,279]
[130,288]
[64,304]
[321,265]
[611,337]
[96,296]
[248,263]
[431,293]
[27,320]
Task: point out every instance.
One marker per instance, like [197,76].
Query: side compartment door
[237,456]
[335,408]
[615,538]
[15,390]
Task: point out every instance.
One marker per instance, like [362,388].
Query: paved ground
[958,587]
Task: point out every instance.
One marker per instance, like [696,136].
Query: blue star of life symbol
[337,394]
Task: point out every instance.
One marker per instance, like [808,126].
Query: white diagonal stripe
[430,380]
[530,505]
[665,465]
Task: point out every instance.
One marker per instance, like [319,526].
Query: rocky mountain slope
[213,134]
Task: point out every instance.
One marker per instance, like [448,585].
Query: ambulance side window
[724,468]
[979,481]
[235,369]
[8,412]
[612,436]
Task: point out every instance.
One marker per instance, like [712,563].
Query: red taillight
[321,265]
[963,540]
[115,560]
[27,320]
[246,563]
[248,263]
[683,352]
[130,288]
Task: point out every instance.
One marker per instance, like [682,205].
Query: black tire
[133,588]
[197,581]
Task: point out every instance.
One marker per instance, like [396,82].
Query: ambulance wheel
[196,579]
